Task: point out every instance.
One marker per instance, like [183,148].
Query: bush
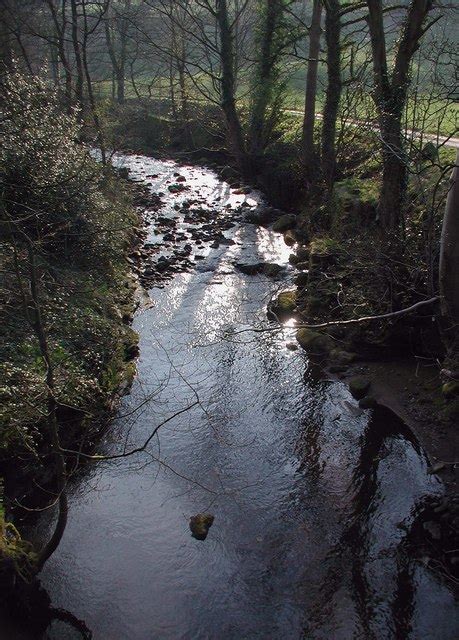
[68,221]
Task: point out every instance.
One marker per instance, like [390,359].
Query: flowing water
[312,499]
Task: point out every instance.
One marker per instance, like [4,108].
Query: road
[439,140]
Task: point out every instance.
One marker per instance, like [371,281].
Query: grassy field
[437,117]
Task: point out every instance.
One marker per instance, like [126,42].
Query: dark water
[311,501]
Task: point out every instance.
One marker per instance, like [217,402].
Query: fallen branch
[332,323]
[127,454]
[393,314]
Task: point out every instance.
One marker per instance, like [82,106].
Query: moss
[450,389]
[200,525]
[314,341]
[323,246]
[285,304]
[284,223]
[353,204]
[341,357]
[13,549]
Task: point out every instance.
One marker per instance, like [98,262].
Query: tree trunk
[264,80]
[333,92]
[77,52]
[92,101]
[309,151]
[60,32]
[449,267]
[394,182]
[51,421]
[228,99]
[391,91]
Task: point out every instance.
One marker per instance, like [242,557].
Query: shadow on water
[313,499]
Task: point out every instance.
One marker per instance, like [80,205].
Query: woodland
[330,127]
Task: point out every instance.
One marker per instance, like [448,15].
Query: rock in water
[359,386]
[200,525]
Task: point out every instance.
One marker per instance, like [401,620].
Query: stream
[312,497]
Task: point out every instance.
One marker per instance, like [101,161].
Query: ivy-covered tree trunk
[333,91]
[391,91]
[271,14]
[77,52]
[395,170]
[315,31]
[228,86]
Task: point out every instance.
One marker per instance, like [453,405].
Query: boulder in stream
[200,525]
[284,223]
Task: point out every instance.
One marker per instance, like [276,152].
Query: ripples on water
[311,501]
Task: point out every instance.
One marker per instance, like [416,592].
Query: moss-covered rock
[341,357]
[301,280]
[354,203]
[359,387]
[314,341]
[200,525]
[450,389]
[303,254]
[285,304]
[284,223]
[290,238]
[272,270]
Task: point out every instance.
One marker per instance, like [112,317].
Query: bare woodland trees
[391,91]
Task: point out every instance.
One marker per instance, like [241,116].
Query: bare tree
[391,90]
[315,32]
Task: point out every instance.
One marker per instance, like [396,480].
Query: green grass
[437,117]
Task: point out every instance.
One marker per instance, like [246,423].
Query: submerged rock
[200,525]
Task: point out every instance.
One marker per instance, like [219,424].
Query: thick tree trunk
[394,182]
[77,52]
[391,90]
[228,99]
[60,31]
[449,267]
[120,86]
[91,97]
[117,58]
[333,92]
[263,89]
[309,151]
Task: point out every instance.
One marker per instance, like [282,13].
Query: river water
[311,498]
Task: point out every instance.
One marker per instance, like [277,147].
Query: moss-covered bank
[67,295]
